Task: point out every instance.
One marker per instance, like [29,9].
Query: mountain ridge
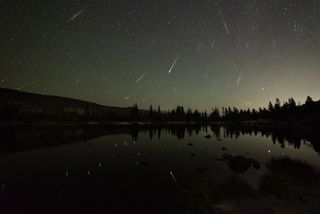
[50,107]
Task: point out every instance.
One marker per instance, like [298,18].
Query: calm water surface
[133,169]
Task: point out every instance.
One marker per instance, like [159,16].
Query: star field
[196,53]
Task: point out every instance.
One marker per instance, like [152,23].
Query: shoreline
[288,124]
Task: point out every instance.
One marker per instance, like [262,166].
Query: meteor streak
[224,22]
[140,78]
[172,66]
[76,15]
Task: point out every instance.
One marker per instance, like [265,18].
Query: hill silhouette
[24,106]
[20,106]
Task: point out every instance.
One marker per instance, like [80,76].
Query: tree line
[276,110]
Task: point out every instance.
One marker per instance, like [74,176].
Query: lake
[150,169]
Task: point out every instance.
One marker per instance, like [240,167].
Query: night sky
[196,53]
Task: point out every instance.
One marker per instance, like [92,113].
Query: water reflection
[19,138]
[156,169]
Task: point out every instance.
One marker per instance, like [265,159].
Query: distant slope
[23,106]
